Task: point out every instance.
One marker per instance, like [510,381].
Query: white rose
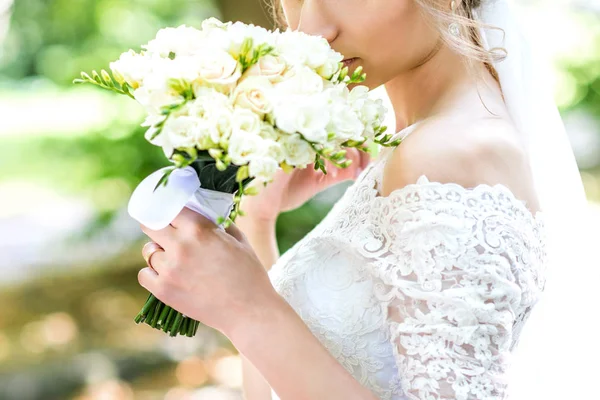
[132,68]
[253,93]
[300,80]
[272,67]
[181,131]
[243,146]
[306,115]
[297,151]
[217,67]
[182,41]
[263,168]
[246,121]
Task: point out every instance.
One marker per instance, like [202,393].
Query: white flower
[370,111]
[272,67]
[156,94]
[300,80]
[181,131]
[252,93]
[313,51]
[263,168]
[308,115]
[345,123]
[214,23]
[246,121]
[243,146]
[218,68]
[132,67]
[268,131]
[230,37]
[182,41]
[273,149]
[297,152]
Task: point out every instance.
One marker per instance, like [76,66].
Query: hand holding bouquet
[231,103]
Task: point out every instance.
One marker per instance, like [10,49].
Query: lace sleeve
[459,273]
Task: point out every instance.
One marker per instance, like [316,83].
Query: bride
[419,281]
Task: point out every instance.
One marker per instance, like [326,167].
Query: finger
[188,219]
[162,237]
[148,251]
[148,278]
[159,262]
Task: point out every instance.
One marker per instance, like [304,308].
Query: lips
[348,61]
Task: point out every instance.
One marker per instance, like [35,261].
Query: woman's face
[386,37]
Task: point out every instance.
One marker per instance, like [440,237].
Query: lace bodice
[421,294]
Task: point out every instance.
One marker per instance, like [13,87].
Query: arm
[261,236]
[281,348]
[292,359]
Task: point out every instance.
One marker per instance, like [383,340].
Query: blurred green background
[70,157]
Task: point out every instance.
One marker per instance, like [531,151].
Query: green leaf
[164,179]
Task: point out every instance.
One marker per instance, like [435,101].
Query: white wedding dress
[421,294]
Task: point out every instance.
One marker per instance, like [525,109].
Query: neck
[429,88]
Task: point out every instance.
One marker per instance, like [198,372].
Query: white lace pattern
[421,294]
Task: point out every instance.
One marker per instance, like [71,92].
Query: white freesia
[345,123]
[300,81]
[297,152]
[181,41]
[262,168]
[272,67]
[214,23]
[253,93]
[243,146]
[132,68]
[231,37]
[313,51]
[155,94]
[268,131]
[306,115]
[273,149]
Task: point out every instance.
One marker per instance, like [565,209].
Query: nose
[316,19]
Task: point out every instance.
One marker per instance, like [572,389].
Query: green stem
[163,315]
[190,329]
[167,323]
[157,313]
[184,325]
[175,328]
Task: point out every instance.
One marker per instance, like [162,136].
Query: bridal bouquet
[229,104]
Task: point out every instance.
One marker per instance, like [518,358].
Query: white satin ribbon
[156,209]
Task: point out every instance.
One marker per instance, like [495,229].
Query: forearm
[261,236]
[292,360]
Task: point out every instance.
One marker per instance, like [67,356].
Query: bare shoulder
[469,153]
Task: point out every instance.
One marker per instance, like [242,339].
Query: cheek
[398,38]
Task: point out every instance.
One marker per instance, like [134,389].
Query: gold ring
[148,250]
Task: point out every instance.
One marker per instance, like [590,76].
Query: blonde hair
[468,43]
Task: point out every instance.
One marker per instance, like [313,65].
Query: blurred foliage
[49,326]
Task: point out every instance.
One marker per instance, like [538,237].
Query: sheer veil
[545,363]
